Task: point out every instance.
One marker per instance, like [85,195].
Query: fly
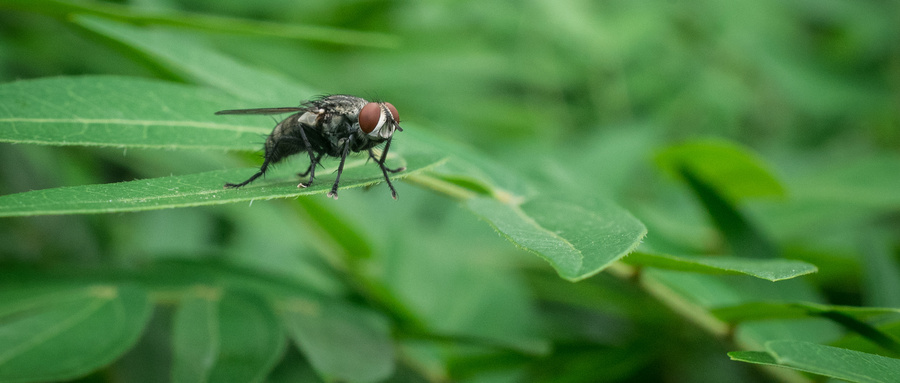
[330,126]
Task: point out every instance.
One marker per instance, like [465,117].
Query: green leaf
[342,342]
[769,269]
[838,363]
[198,189]
[736,172]
[881,281]
[61,333]
[124,112]
[224,337]
[577,242]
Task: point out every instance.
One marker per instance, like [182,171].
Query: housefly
[330,126]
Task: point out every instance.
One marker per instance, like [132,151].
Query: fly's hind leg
[311,165]
[262,170]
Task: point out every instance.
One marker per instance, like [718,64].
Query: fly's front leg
[333,192]
[313,160]
[385,169]
[384,152]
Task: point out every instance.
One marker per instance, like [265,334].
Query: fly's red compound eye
[393,110]
[369,117]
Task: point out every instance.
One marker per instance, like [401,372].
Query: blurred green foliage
[762,128]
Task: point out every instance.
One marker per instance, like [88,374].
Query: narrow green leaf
[333,229]
[224,337]
[755,311]
[181,53]
[197,189]
[577,242]
[851,318]
[744,238]
[206,22]
[120,111]
[839,363]
[61,333]
[881,338]
[735,171]
[342,342]
[769,269]
[755,357]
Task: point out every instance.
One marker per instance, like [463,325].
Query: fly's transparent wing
[264,110]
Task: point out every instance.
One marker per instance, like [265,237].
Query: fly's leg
[313,160]
[383,156]
[333,192]
[311,165]
[385,169]
[262,170]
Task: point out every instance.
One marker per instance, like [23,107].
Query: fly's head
[378,120]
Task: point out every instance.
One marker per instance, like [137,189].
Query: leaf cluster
[594,192]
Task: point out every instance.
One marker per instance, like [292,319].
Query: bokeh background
[574,96]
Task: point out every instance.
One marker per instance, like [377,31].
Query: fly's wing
[264,110]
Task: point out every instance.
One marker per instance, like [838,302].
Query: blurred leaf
[839,363]
[490,306]
[744,238]
[224,337]
[787,310]
[62,333]
[342,342]
[577,242]
[65,9]
[341,236]
[862,182]
[188,57]
[852,318]
[118,111]
[769,269]
[182,274]
[882,272]
[732,170]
